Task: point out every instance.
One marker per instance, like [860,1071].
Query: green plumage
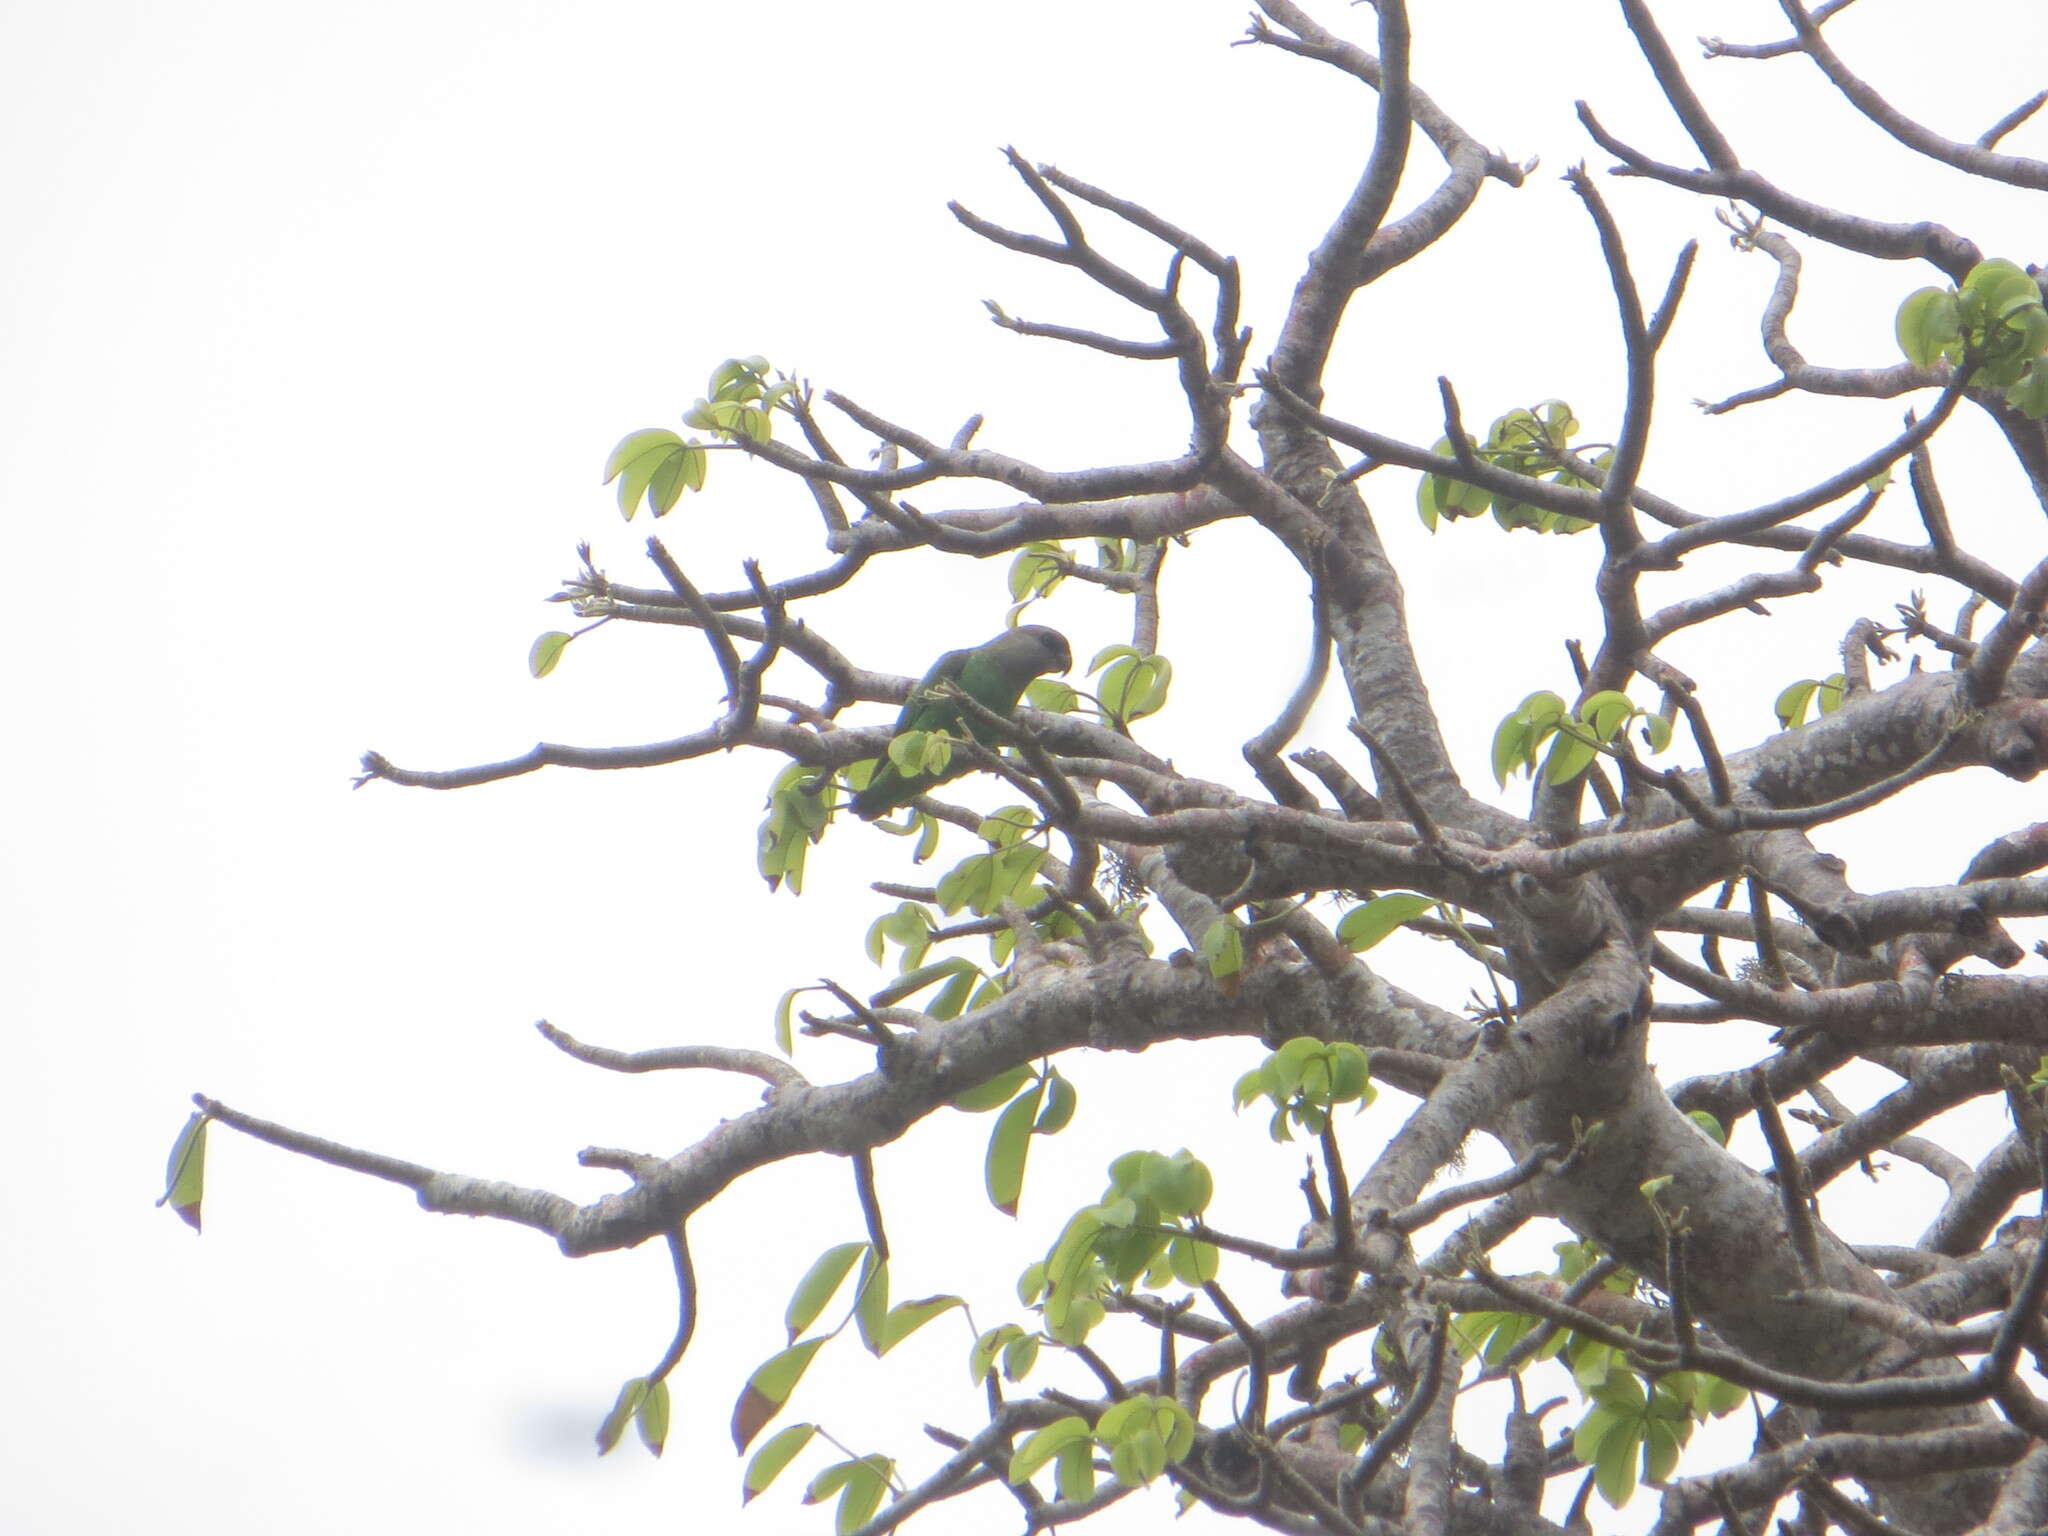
[993,675]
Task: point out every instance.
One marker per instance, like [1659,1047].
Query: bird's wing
[923,713]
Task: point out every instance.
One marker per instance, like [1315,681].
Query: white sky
[320,324]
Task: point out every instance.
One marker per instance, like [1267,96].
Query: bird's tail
[885,791]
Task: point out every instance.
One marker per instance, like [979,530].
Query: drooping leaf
[820,1283]
[905,1318]
[185,1174]
[1568,757]
[1060,1100]
[651,1418]
[862,1495]
[871,1302]
[637,461]
[780,1450]
[1041,1445]
[624,1408]
[981,1359]
[768,1389]
[1074,1471]
[1790,705]
[785,1020]
[1009,1145]
[546,652]
[1194,1262]
[1021,1353]
[1606,713]
[996,1091]
[860,1485]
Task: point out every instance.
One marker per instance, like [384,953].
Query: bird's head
[1054,655]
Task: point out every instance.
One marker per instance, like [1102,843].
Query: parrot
[993,675]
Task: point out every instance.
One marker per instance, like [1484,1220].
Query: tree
[1694,1280]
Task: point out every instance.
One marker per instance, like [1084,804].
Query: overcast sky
[320,323]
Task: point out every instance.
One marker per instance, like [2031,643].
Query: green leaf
[1074,1471]
[652,1418]
[785,1020]
[871,1302]
[738,378]
[955,995]
[1929,323]
[1014,869]
[546,651]
[624,1409]
[1569,756]
[906,752]
[185,1175]
[1008,1147]
[1614,1472]
[1060,1099]
[1021,1353]
[1364,926]
[1144,1434]
[768,1389]
[1223,948]
[1652,1188]
[1712,1396]
[1007,827]
[860,1485]
[1031,1284]
[1709,1123]
[1513,747]
[1193,1262]
[1050,695]
[1790,705]
[997,1090]
[769,1461]
[862,1495]
[1041,1445]
[1662,1442]
[1180,1185]
[1440,496]
[2003,286]
[909,927]
[1607,712]
[981,1359]
[1133,686]
[955,969]
[2030,395]
[967,884]
[907,1317]
[1596,1365]
[1525,729]
[1037,569]
[636,462]
[819,1285]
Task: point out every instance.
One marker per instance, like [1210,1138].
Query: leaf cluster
[1536,443]
[1575,739]
[1992,322]
[1143,1435]
[1305,1080]
[1123,1240]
